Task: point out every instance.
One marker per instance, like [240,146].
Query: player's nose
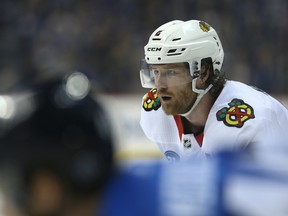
[161,82]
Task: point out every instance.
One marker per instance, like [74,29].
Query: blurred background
[105,39]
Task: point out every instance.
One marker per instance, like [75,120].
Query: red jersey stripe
[178,121]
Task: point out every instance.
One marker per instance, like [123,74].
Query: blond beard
[182,103]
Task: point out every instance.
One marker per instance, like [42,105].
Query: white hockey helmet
[181,41]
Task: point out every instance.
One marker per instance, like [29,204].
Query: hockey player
[56,150]
[192,109]
[232,183]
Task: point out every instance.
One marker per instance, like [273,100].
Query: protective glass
[164,75]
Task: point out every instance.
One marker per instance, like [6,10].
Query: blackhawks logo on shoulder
[204,26]
[236,114]
[151,100]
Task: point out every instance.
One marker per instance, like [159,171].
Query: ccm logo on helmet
[154,49]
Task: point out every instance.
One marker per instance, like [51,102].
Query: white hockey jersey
[241,117]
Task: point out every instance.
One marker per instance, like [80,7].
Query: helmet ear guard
[195,68]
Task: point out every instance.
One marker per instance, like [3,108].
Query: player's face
[173,82]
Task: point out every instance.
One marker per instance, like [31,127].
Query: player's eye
[170,73]
[155,73]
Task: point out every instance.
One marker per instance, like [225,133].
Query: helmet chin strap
[200,92]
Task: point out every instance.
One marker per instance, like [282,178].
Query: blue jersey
[231,183]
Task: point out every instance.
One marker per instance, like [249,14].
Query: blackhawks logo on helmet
[236,114]
[151,100]
[204,26]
